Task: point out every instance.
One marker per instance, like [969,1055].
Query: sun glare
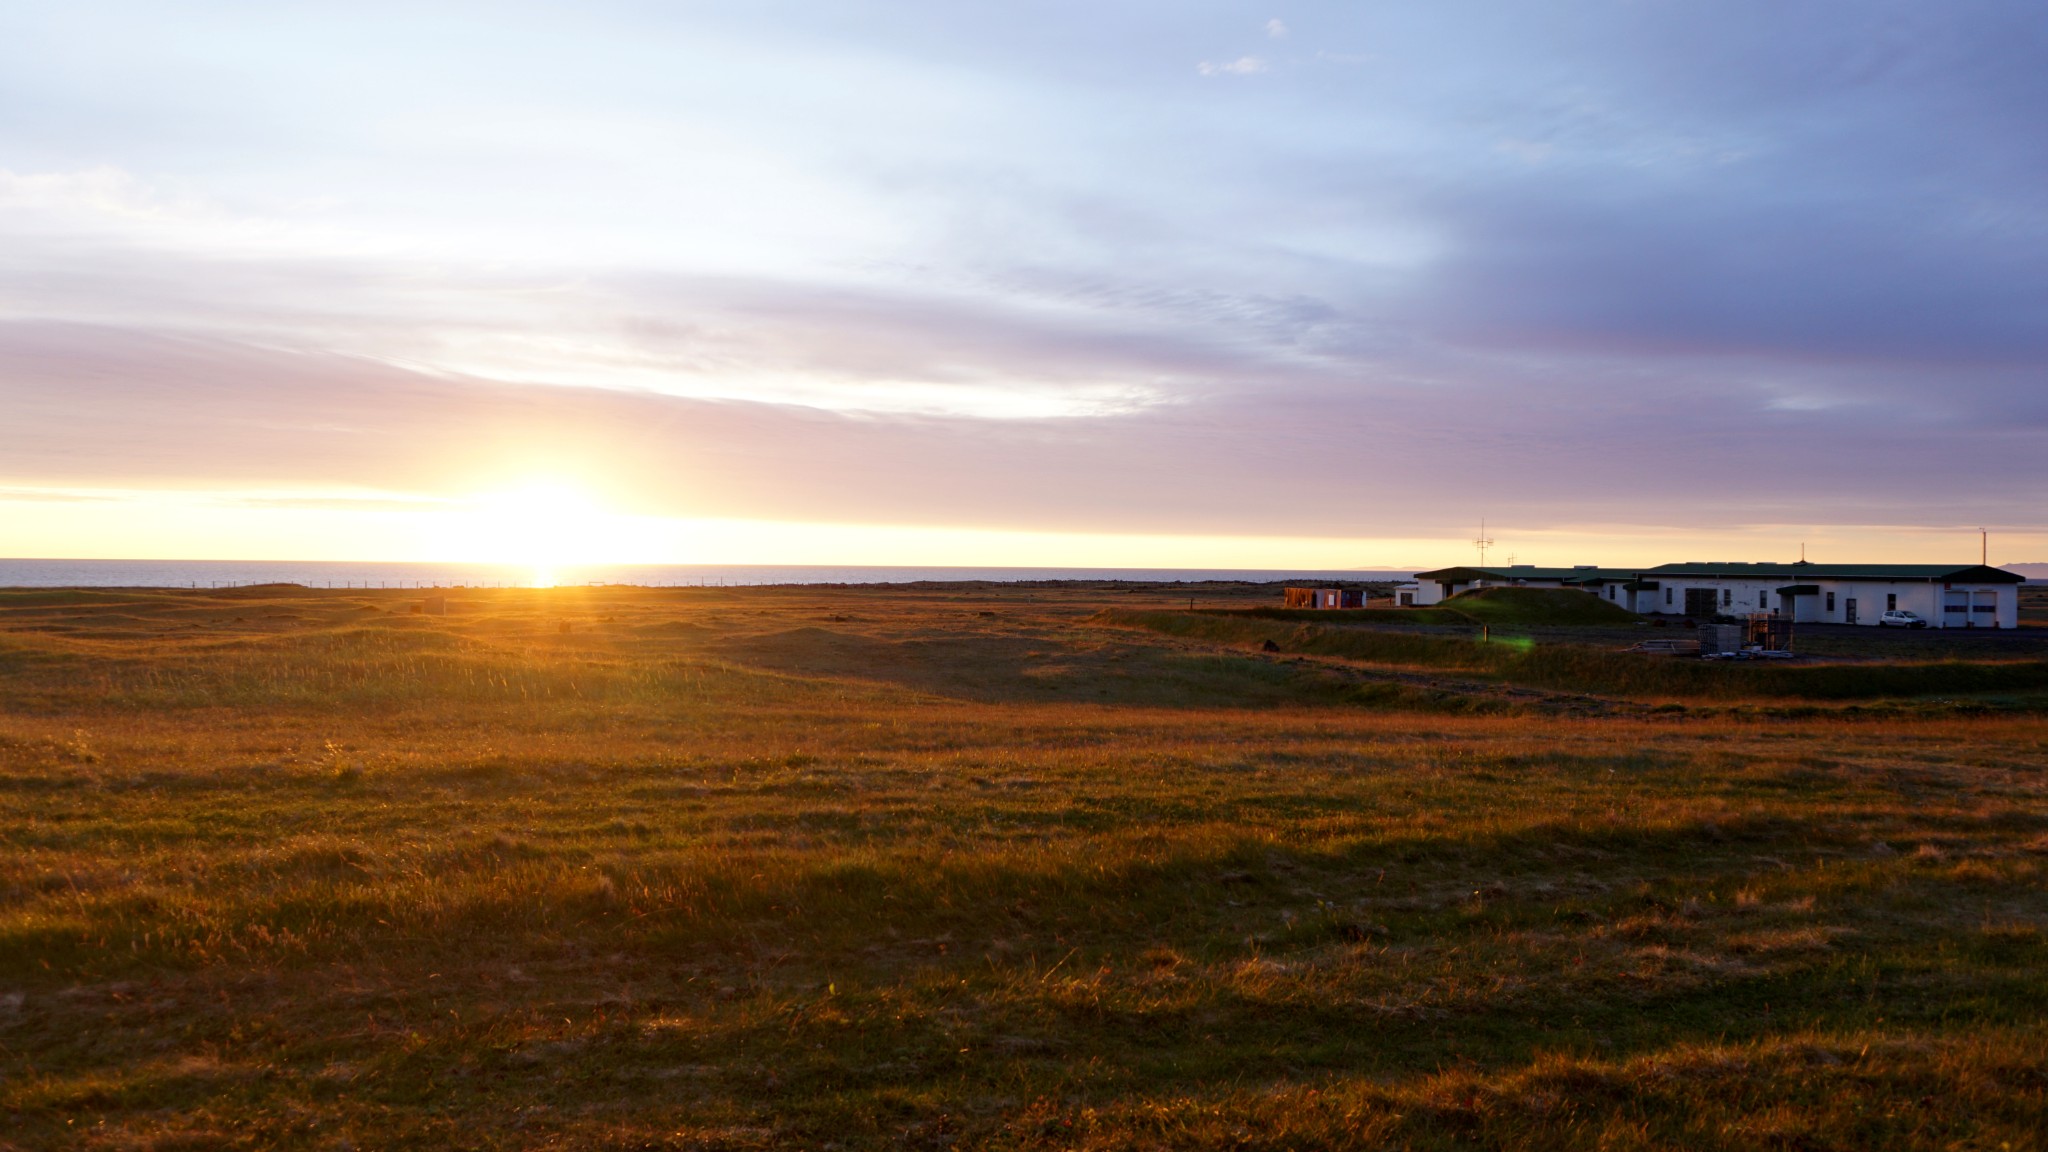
[545,527]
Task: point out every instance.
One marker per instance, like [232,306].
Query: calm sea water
[341,574]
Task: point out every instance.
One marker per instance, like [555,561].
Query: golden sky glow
[550,527]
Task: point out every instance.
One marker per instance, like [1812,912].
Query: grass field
[1011,867]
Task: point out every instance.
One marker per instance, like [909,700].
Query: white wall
[1930,601]
[1871,598]
[1738,596]
[1430,592]
[1759,594]
[1734,596]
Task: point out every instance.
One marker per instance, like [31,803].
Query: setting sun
[545,527]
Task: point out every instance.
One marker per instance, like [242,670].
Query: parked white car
[1900,618]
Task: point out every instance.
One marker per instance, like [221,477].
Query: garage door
[1984,610]
[1955,609]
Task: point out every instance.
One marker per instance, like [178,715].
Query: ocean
[347,574]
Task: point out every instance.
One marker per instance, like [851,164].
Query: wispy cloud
[1242,66]
[1276,28]
[39,495]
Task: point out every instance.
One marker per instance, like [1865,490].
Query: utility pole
[1983,548]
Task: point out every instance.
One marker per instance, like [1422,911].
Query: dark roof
[1964,574]
[1464,574]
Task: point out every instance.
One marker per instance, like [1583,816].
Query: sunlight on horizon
[545,527]
[552,528]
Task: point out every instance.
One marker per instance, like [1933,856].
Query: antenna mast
[1983,547]
[1483,542]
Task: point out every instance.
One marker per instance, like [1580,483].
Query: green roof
[1466,574]
[1952,573]
[1964,573]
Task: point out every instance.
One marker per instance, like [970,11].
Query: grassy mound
[1530,606]
[1570,667]
[1347,615]
[1499,607]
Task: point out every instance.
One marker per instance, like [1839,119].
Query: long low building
[1444,583]
[1944,595]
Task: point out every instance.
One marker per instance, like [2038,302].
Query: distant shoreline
[188,574]
[339,574]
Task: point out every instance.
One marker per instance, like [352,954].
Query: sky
[1154,284]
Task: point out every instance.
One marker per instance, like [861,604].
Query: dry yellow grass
[967,867]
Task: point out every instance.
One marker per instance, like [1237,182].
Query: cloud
[102,190]
[53,495]
[1276,29]
[95,407]
[1242,66]
[1650,264]
[106,206]
[857,346]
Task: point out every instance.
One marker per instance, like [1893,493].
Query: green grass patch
[1496,607]
[1578,667]
[1532,607]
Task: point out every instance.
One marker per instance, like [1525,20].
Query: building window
[1891,601]
[1667,597]
[1831,601]
[1727,597]
[1763,601]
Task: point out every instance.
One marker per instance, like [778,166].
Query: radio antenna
[1483,542]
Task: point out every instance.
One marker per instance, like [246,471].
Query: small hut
[1325,598]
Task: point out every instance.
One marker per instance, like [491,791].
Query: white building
[1444,583]
[1944,595]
